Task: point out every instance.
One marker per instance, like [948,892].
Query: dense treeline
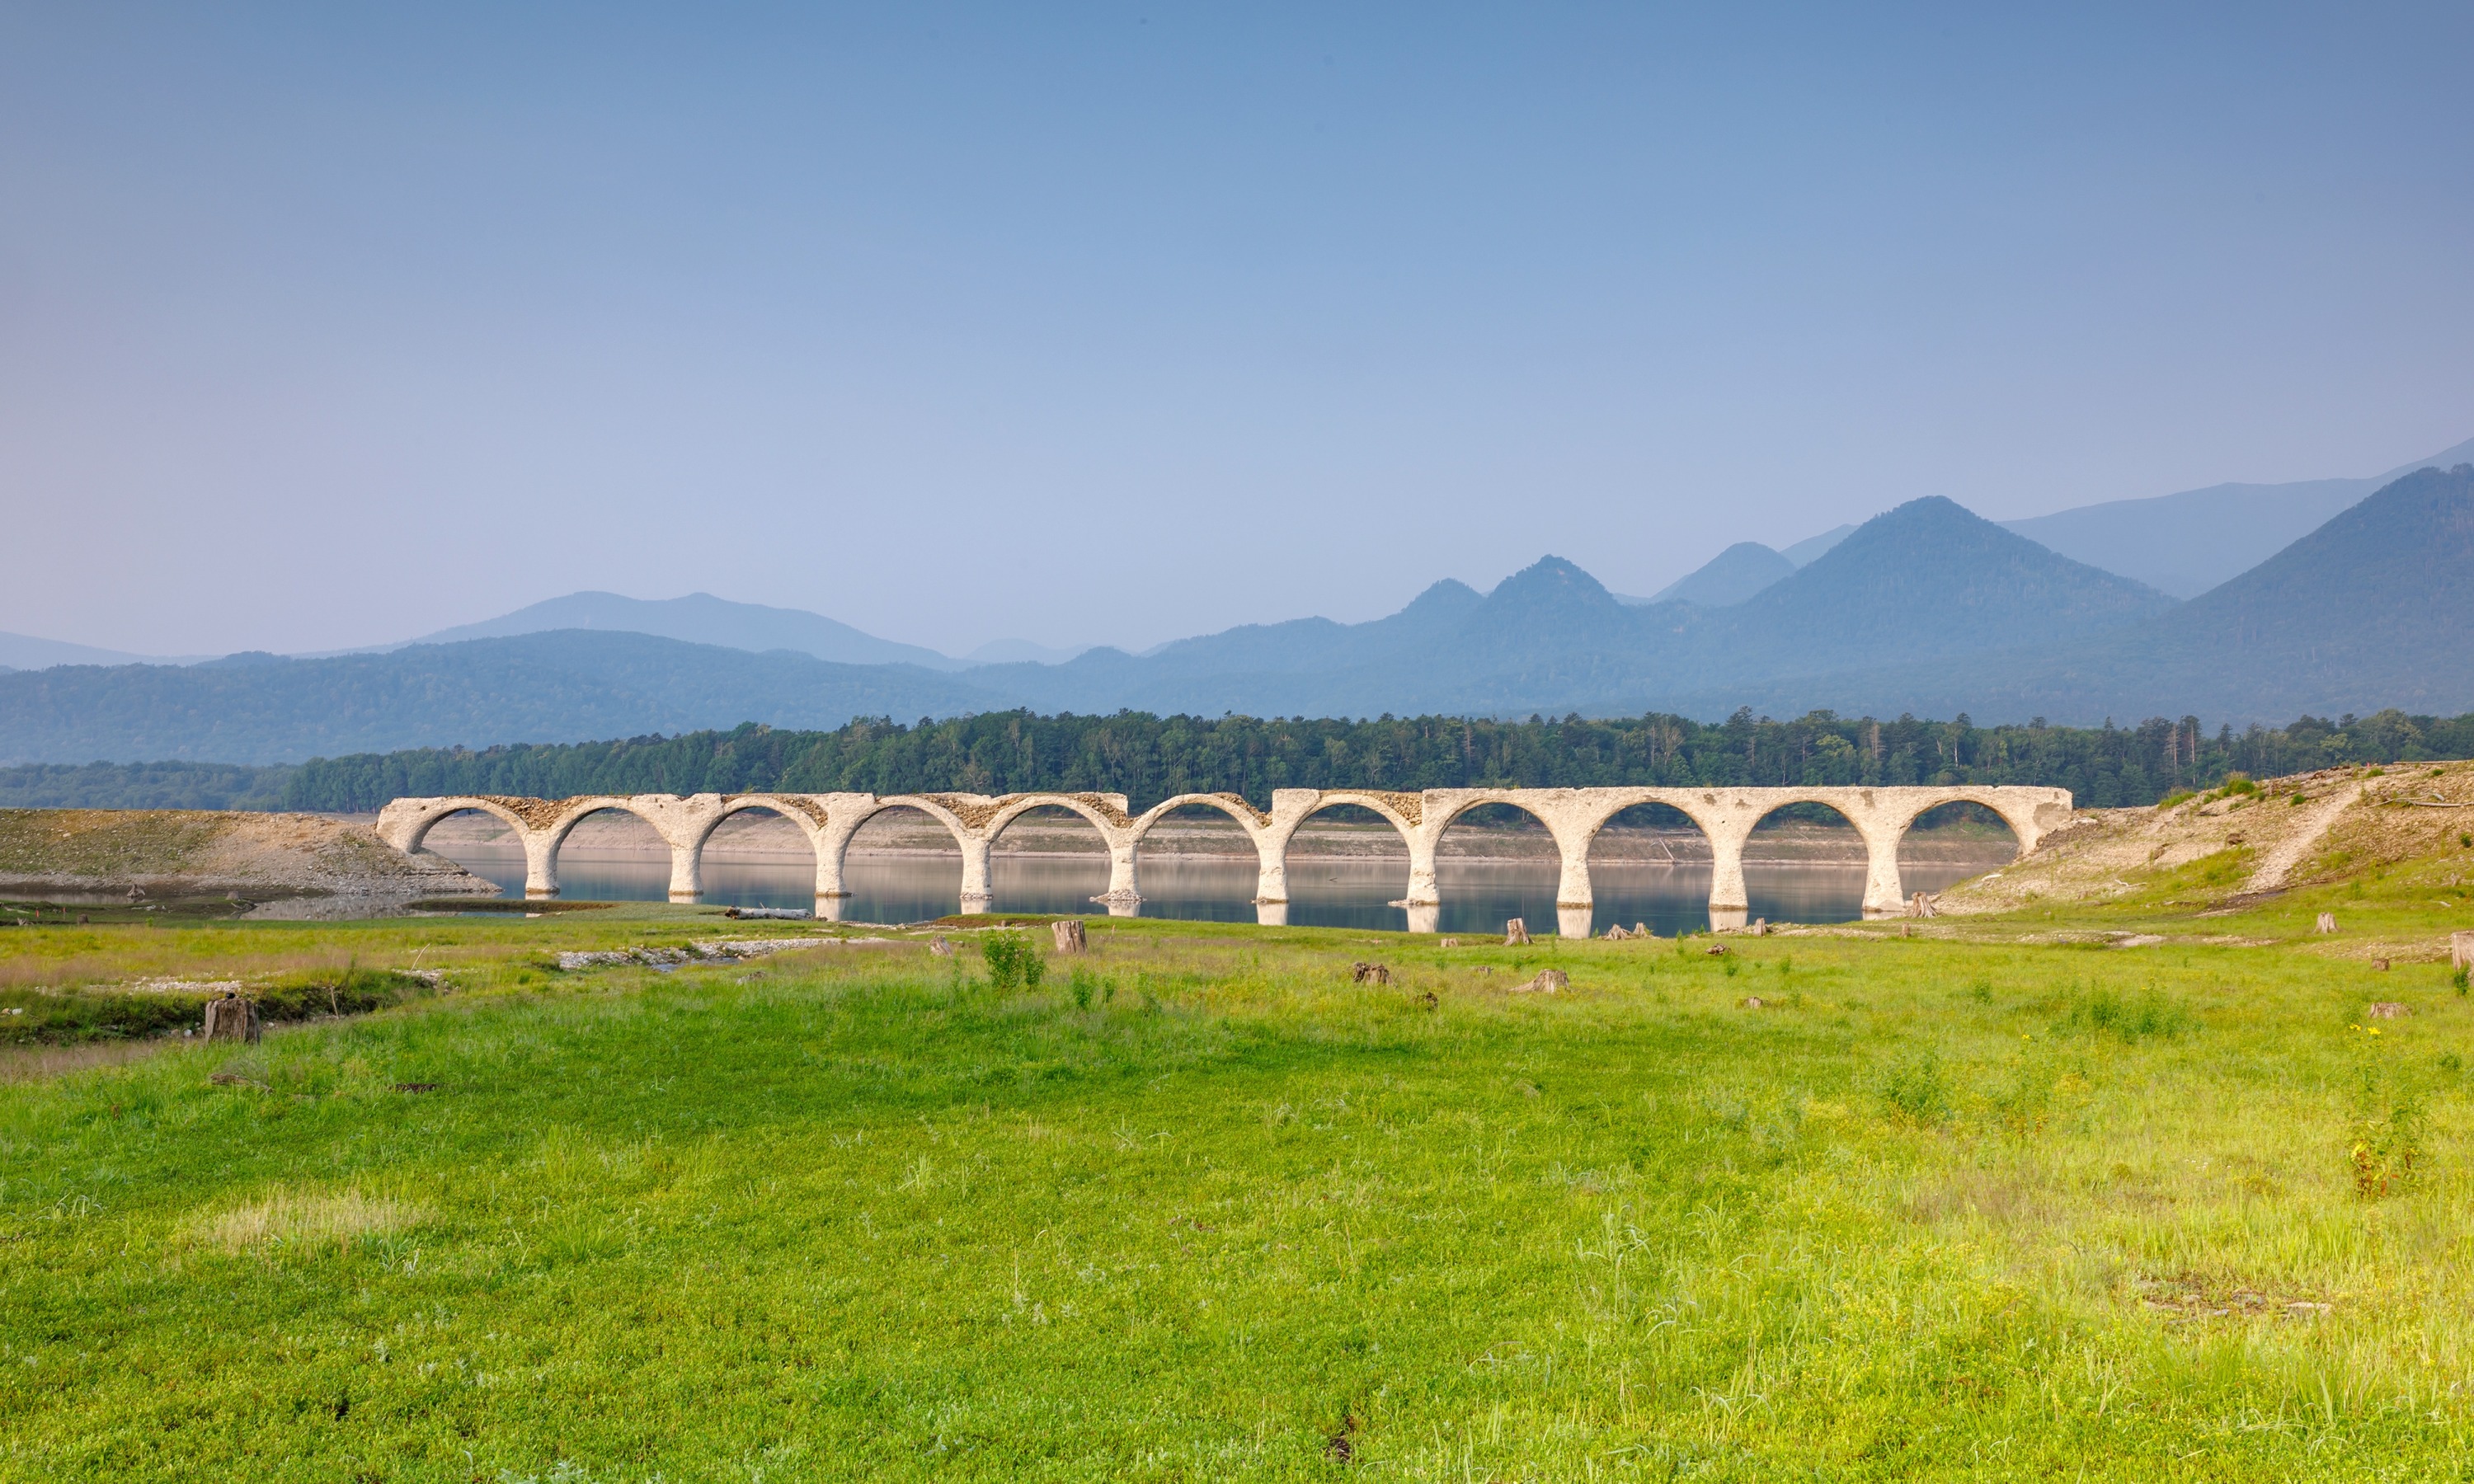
[1149,757]
[143,785]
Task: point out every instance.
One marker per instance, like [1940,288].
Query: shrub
[2237,783]
[1013,964]
[2177,796]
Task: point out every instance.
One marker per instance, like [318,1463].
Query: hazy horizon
[965,325]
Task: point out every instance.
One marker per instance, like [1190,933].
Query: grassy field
[1198,1207]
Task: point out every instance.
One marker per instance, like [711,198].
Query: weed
[1080,984]
[1915,1092]
[2387,1135]
[2103,1012]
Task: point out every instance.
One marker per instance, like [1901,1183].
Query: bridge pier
[686,872]
[1884,894]
[1124,898]
[540,863]
[1730,904]
[978,895]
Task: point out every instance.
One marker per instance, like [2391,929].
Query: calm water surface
[1324,892]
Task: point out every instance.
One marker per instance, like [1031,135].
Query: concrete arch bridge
[1573,816]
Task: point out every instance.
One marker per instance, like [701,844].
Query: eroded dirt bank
[2219,850]
[181,852]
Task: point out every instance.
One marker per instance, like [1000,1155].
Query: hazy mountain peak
[1551,582]
[701,618]
[1804,551]
[1729,578]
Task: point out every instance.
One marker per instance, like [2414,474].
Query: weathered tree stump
[939,946]
[2461,950]
[1515,934]
[231,1018]
[2387,1010]
[1760,927]
[1615,932]
[1368,973]
[2327,923]
[1922,907]
[1069,935]
[1550,981]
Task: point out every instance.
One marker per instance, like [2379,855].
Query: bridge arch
[961,816]
[551,839]
[408,829]
[1663,852]
[1107,820]
[802,812]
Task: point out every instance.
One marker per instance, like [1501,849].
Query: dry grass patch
[298,1221]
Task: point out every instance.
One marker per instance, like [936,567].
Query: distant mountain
[24,652]
[701,618]
[2187,543]
[2373,610]
[1728,577]
[1928,578]
[565,685]
[1804,552]
[1018,651]
[1927,608]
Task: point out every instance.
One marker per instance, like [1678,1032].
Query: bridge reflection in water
[1336,891]
[1439,896]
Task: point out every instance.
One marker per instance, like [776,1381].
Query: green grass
[1197,1208]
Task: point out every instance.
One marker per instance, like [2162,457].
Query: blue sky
[328,326]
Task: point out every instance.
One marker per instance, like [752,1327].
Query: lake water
[1324,892]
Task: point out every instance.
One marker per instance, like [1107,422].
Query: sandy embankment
[2293,831]
[174,854]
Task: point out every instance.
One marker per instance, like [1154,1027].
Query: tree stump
[2327,923]
[1550,981]
[2461,950]
[1368,973]
[1760,927]
[1615,932]
[231,1018]
[1922,907]
[939,946]
[1515,934]
[2386,1010]
[1069,936]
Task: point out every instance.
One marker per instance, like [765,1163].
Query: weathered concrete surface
[1573,816]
